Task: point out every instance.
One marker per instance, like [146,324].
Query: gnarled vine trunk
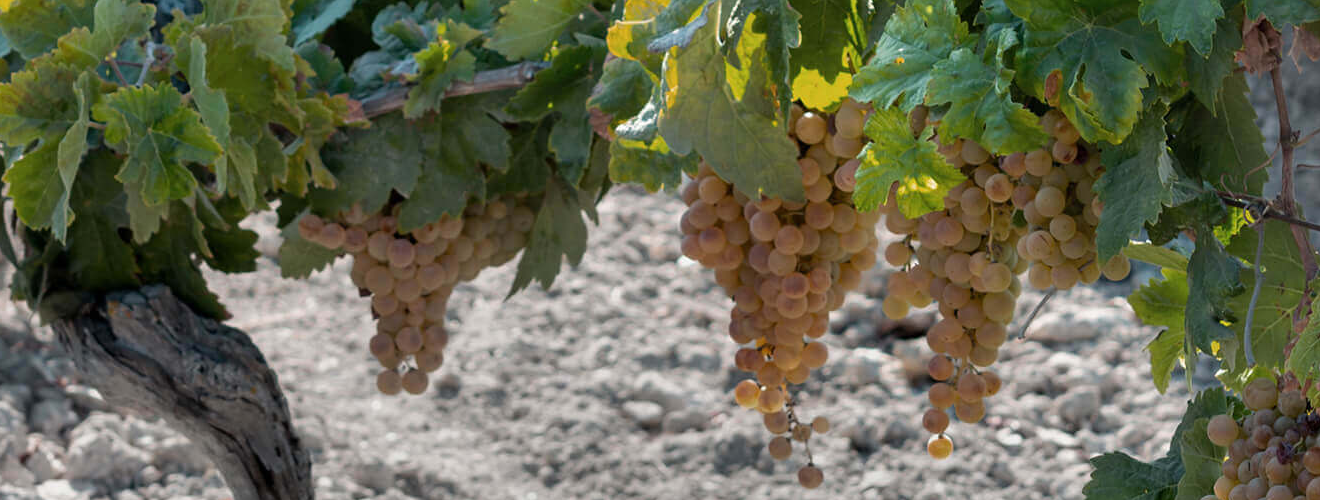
[147,350]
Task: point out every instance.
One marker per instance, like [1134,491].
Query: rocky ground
[614,384]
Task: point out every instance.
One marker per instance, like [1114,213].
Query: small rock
[99,423]
[1074,324]
[683,421]
[178,454]
[148,475]
[128,495]
[87,398]
[861,367]
[656,388]
[1079,406]
[1008,438]
[1003,473]
[46,460]
[14,492]
[1057,437]
[12,422]
[11,471]
[53,416]
[65,490]
[17,395]
[104,457]
[645,413]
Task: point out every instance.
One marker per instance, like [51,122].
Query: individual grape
[712,189]
[939,447]
[941,395]
[810,477]
[702,215]
[940,367]
[381,346]
[845,178]
[999,188]
[973,153]
[408,340]
[788,239]
[971,387]
[775,421]
[1039,162]
[845,218]
[780,448]
[1291,402]
[948,231]
[810,128]
[1116,268]
[849,121]
[969,412]
[414,381]
[898,254]
[992,382]
[1064,152]
[389,382]
[1014,164]
[894,307]
[434,336]
[764,226]
[379,280]
[378,245]
[1064,276]
[331,236]
[935,421]
[820,425]
[711,240]
[846,147]
[1260,394]
[746,393]
[1050,201]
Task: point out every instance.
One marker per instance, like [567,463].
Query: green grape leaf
[41,181]
[256,23]
[238,161]
[980,105]
[778,24]
[745,145]
[1163,303]
[1202,462]
[373,163]
[559,233]
[1282,12]
[256,91]
[624,87]
[1223,145]
[1304,361]
[33,26]
[1212,279]
[1166,258]
[652,165]
[233,249]
[168,258]
[1206,73]
[645,21]
[324,116]
[300,258]
[1192,21]
[1205,404]
[99,258]
[527,27]
[160,136]
[451,163]
[1118,476]
[38,103]
[1136,186]
[922,174]
[313,17]
[329,70]
[439,64]
[1281,290]
[916,37]
[832,33]
[529,165]
[115,21]
[1076,55]
[564,88]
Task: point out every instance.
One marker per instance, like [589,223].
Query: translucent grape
[746,393]
[780,448]
[810,477]
[810,128]
[935,421]
[939,447]
[1050,201]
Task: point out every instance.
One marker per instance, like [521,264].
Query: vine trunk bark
[148,351]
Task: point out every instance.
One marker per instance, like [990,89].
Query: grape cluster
[410,275]
[786,265]
[1272,453]
[1028,212]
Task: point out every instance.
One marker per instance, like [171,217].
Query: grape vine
[1002,140]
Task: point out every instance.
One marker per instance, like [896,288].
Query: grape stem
[1266,210]
[1287,199]
[510,77]
[1255,295]
[1032,317]
[114,66]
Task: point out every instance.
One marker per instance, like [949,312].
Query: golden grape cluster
[969,256]
[786,265]
[410,275]
[1272,452]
